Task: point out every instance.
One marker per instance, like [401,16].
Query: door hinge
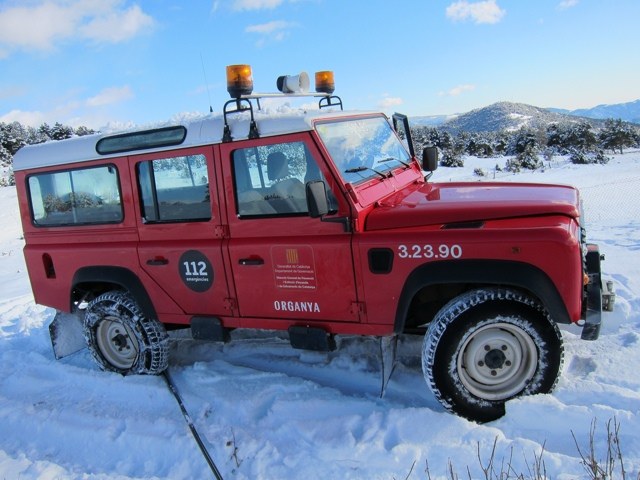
[359,309]
[230,304]
[221,231]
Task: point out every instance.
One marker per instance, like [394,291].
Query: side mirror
[430,159]
[317,203]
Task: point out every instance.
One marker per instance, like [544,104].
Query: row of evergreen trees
[583,142]
[14,136]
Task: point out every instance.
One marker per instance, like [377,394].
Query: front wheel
[122,339]
[488,346]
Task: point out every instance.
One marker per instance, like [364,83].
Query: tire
[122,339]
[488,346]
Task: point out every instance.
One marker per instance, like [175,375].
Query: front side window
[175,189]
[76,197]
[270,179]
[363,148]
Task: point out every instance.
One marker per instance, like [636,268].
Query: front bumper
[599,296]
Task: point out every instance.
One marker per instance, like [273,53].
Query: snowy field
[266,411]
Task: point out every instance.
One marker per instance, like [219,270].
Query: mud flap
[388,350]
[67,334]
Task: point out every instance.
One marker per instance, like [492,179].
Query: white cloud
[241,5]
[33,119]
[268,28]
[564,4]
[487,11]
[92,112]
[455,91]
[42,24]
[389,102]
[110,95]
[116,27]
[275,31]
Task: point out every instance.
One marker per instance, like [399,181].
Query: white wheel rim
[115,341]
[497,361]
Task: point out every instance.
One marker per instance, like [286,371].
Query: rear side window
[84,196]
[175,189]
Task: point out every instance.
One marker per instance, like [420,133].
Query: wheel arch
[474,273]
[100,279]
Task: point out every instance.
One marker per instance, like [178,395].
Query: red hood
[432,204]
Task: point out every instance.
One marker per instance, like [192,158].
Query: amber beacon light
[239,80]
[325,82]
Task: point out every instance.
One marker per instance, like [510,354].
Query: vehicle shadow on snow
[354,368]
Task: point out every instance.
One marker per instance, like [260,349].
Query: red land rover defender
[318,222]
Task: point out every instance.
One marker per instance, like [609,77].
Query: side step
[209,328]
[311,338]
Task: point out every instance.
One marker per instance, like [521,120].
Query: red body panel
[440,203]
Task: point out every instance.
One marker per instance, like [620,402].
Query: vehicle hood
[455,203]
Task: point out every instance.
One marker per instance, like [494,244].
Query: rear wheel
[488,346]
[122,339]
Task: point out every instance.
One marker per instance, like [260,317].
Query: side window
[174,189]
[270,179]
[83,196]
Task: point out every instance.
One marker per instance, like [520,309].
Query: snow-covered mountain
[629,112]
[512,116]
[506,116]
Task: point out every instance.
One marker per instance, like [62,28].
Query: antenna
[206,82]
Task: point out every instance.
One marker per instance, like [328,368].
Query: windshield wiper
[388,159]
[362,168]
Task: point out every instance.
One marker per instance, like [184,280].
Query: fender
[488,272]
[119,276]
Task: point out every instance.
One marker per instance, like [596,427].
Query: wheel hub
[120,342]
[495,358]
[497,361]
[116,343]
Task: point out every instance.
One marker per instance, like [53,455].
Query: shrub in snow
[512,165]
[527,158]
[581,157]
[452,158]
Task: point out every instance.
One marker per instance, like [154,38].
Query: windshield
[363,148]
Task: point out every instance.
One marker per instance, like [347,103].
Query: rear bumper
[599,296]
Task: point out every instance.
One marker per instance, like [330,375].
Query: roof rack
[243,104]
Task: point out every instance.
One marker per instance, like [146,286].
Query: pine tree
[583,137]
[617,134]
[5,157]
[82,131]
[13,136]
[44,132]
[452,156]
[60,132]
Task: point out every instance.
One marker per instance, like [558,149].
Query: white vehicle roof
[205,131]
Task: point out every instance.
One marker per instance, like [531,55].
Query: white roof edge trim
[205,131]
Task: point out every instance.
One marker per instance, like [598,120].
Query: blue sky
[95,62]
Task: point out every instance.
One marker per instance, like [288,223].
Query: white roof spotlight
[293,83]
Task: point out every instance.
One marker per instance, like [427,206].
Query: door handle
[251,261]
[157,261]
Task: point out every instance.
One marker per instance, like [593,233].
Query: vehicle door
[285,264]
[179,226]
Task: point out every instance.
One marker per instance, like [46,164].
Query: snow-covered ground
[266,411]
